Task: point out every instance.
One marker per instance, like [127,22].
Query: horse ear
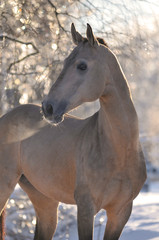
[76,36]
[90,36]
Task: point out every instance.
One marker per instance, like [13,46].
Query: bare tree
[35,38]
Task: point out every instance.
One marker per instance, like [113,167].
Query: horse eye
[82,66]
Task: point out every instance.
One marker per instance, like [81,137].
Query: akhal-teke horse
[96,163]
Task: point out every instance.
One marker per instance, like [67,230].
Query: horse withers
[96,163]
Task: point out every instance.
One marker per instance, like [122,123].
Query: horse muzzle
[54,112]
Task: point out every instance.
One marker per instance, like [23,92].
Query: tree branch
[19,41]
[56,15]
[23,74]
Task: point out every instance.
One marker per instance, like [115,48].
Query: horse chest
[95,162]
[99,168]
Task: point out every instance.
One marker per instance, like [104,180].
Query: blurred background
[35,38]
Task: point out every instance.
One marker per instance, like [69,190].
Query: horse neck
[117,115]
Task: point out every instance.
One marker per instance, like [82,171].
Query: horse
[96,163]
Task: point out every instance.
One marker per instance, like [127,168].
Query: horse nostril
[49,109]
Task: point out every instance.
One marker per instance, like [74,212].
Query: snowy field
[142,225]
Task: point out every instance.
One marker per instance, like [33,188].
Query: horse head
[84,76]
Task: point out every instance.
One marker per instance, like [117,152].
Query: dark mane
[102,41]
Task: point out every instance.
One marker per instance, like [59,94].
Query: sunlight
[24,98]
[15,9]
[34,221]
[54,46]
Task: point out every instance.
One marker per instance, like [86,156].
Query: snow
[143,223]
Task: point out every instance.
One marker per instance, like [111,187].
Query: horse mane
[102,41]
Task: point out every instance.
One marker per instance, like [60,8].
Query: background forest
[35,38]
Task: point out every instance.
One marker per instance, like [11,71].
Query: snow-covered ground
[142,225]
